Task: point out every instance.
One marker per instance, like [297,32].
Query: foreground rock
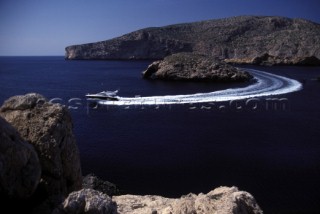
[48,128]
[87,201]
[19,165]
[244,39]
[222,200]
[91,181]
[194,67]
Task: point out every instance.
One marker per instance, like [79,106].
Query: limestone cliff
[243,39]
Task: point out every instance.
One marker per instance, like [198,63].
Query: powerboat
[104,95]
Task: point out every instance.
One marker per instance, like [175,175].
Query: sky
[46,27]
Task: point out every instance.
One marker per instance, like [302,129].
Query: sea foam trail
[266,84]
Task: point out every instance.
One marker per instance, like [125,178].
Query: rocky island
[259,40]
[194,67]
[41,172]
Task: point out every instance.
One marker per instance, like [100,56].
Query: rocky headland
[260,40]
[40,171]
[194,67]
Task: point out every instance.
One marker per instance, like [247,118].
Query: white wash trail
[266,84]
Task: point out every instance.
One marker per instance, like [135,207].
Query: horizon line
[32,56]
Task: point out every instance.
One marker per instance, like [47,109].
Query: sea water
[268,146]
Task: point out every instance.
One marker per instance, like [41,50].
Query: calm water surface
[174,150]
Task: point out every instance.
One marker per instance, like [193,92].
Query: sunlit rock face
[227,200]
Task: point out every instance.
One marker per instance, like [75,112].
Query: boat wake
[266,84]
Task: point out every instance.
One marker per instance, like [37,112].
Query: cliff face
[142,44]
[243,39]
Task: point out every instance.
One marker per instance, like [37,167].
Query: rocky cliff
[194,67]
[243,39]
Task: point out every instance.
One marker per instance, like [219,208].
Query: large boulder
[48,127]
[222,200]
[194,67]
[87,201]
[19,164]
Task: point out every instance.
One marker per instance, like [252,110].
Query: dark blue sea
[172,150]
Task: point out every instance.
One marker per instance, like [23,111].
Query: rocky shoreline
[194,67]
[41,171]
[258,40]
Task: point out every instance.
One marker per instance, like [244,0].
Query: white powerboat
[104,95]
